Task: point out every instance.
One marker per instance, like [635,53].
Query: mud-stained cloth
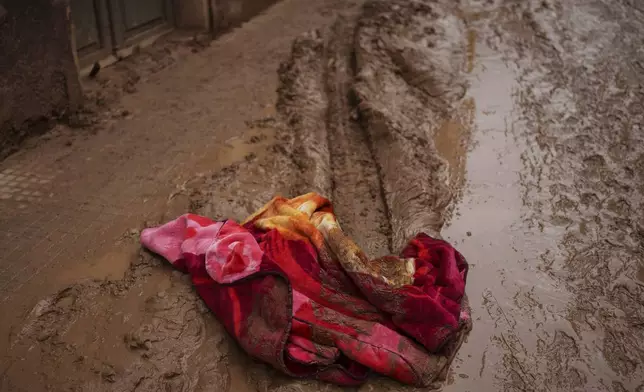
[297,293]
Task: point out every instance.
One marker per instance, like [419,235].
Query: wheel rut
[357,196]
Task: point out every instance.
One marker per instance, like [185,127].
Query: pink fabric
[231,251]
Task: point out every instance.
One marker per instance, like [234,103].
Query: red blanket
[297,293]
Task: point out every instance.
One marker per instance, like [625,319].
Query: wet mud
[332,133]
[510,128]
[409,62]
[146,331]
[554,174]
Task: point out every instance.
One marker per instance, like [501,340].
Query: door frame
[122,38]
[98,52]
[114,41]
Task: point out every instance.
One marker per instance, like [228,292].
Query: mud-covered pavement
[511,128]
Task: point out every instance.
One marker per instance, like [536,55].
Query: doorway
[104,27]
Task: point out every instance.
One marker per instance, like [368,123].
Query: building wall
[38,73]
[192,14]
[227,14]
[216,15]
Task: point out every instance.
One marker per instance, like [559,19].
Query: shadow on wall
[38,74]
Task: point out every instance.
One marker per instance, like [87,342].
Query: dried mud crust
[359,103]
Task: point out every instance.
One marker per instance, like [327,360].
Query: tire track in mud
[409,62]
[303,104]
[398,69]
[357,189]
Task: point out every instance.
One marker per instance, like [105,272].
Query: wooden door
[102,27]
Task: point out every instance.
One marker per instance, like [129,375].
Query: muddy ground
[511,128]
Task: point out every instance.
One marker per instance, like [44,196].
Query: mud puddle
[549,201]
[516,304]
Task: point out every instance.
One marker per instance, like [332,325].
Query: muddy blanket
[297,293]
